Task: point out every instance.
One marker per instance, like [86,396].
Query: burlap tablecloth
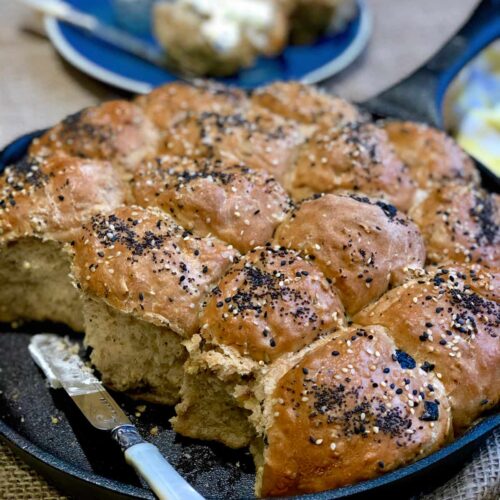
[37,89]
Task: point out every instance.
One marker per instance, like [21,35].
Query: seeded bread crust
[350,409]
[432,157]
[167,104]
[141,262]
[254,137]
[354,156]
[232,202]
[117,131]
[50,199]
[362,244]
[42,206]
[460,222]
[452,329]
[306,105]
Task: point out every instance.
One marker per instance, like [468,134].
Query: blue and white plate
[311,63]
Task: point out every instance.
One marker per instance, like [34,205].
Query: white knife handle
[152,466]
[161,477]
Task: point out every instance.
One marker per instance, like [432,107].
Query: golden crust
[305,104]
[169,103]
[356,156]
[460,223]
[232,202]
[450,329]
[350,410]
[483,280]
[51,198]
[141,262]
[362,244]
[270,303]
[117,131]
[433,157]
[256,138]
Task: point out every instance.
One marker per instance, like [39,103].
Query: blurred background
[38,86]
[472,107]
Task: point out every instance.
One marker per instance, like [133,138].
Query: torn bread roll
[42,204]
[270,304]
[143,278]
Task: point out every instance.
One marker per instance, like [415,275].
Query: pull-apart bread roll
[306,105]
[238,205]
[347,409]
[42,203]
[255,137]
[433,157]
[168,104]
[117,131]
[354,156]
[460,223]
[144,279]
[449,323]
[362,244]
[270,304]
[219,38]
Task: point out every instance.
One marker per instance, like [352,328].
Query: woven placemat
[478,480]
[19,481]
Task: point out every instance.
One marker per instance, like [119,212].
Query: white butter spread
[58,359]
[228,20]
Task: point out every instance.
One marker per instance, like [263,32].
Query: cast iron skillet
[84,462]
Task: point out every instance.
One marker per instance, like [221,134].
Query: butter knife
[59,360]
[93,26]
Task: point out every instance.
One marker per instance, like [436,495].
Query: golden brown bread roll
[450,329]
[169,103]
[355,156]
[207,38]
[256,138]
[232,202]
[42,204]
[270,303]
[51,198]
[117,131]
[353,407]
[143,279]
[433,157]
[362,244]
[306,104]
[460,223]
[141,262]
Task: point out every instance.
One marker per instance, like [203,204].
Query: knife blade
[57,357]
[93,26]
[59,360]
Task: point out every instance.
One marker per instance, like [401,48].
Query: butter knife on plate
[59,360]
[93,26]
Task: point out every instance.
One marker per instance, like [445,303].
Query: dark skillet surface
[28,407]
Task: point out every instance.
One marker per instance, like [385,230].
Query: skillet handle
[420,95]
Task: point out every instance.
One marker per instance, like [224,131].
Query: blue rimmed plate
[309,63]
